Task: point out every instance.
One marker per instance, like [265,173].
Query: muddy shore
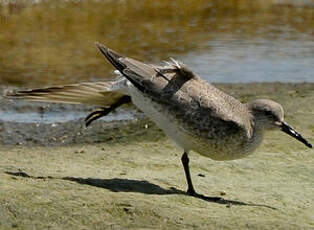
[70,131]
[127,174]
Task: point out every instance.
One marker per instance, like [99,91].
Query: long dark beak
[289,130]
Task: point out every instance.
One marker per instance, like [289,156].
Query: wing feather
[91,93]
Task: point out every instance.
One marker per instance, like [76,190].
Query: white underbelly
[161,117]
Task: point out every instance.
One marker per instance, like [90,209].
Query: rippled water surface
[256,60]
[58,117]
[52,42]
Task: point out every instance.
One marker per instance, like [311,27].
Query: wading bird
[191,111]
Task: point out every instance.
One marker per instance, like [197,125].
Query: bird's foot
[101,112]
[191,192]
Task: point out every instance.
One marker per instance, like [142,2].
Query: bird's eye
[268,113]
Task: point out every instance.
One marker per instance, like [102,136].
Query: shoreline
[128,175]
[74,131]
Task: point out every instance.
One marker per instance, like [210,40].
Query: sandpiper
[195,114]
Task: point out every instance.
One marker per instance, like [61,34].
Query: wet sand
[128,175]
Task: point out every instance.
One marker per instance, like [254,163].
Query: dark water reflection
[52,42]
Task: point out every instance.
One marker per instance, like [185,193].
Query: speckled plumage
[193,112]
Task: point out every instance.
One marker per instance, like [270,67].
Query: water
[59,116]
[28,112]
[51,42]
[260,60]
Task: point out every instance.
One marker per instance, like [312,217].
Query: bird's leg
[160,72]
[185,161]
[104,111]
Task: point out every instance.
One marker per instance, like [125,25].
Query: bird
[194,113]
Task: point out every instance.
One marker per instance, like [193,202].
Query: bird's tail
[93,93]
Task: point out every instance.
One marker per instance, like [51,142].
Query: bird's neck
[258,133]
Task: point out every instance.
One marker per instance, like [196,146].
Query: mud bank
[127,175]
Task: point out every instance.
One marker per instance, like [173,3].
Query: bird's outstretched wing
[90,93]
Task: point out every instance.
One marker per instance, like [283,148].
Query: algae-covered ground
[130,177]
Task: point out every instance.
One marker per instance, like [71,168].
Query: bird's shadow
[140,186]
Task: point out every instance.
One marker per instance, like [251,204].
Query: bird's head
[269,114]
